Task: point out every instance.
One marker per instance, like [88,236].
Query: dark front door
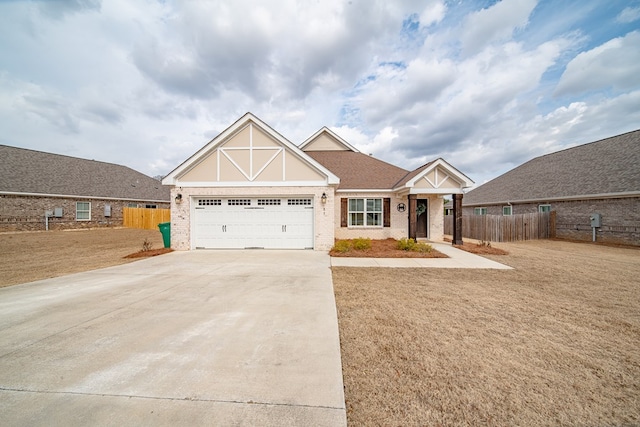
[422,212]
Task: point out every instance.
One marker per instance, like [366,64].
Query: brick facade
[27,213]
[620,218]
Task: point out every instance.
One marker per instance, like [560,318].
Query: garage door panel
[273,223]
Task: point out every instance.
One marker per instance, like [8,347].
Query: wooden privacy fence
[145,218]
[507,228]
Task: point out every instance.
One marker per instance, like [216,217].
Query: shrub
[425,248]
[361,244]
[146,245]
[342,246]
[405,244]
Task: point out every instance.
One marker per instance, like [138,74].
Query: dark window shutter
[344,213]
[386,212]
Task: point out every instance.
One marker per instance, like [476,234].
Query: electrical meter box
[57,212]
[596,220]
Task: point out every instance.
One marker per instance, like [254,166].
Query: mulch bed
[150,253]
[386,249]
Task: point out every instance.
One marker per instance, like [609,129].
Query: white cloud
[629,14]
[496,23]
[147,83]
[433,13]
[614,64]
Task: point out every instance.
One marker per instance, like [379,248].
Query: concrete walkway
[457,259]
[188,338]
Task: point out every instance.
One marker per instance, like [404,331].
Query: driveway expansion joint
[177,399]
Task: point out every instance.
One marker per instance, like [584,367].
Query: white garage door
[253,222]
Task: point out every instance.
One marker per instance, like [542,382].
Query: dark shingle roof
[607,166]
[358,171]
[29,171]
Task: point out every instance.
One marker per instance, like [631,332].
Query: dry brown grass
[26,257]
[554,342]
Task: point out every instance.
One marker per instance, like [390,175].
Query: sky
[484,85]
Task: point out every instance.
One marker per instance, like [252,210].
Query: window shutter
[344,213]
[386,212]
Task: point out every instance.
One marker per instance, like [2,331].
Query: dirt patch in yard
[553,342]
[480,248]
[26,257]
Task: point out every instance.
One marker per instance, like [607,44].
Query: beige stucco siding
[438,178]
[241,139]
[261,139]
[206,170]
[264,161]
[297,170]
[324,142]
[323,213]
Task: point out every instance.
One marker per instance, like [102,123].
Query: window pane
[356,205]
[374,219]
[356,219]
[374,205]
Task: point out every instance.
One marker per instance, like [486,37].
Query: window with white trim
[365,212]
[507,210]
[83,211]
[479,211]
[544,208]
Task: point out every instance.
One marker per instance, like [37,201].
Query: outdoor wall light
[179,198]
[324,198]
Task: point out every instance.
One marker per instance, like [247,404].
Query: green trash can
[165,229]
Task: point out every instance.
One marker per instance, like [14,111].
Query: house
[41,191]
[250,187]
[601,177]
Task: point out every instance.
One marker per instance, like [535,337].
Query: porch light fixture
[179,198]
[324,198]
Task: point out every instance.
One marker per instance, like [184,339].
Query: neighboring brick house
[251,188]
[601,177]
[70,192]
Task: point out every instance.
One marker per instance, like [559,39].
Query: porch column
[413,219]
[457,219]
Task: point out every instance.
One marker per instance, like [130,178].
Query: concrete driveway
[187,338]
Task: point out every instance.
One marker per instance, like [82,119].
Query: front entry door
[422,223]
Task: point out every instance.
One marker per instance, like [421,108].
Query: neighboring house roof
[605,168]
[358,171]
[24,171]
